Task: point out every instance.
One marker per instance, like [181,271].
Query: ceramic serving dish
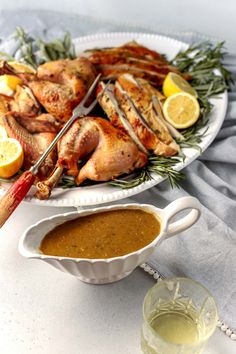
[101,271]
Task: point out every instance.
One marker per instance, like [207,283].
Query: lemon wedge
[11,157]
[8,84]
[181,110]
[174,83]
[22,68]
[3,133]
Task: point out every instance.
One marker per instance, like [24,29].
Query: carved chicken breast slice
[134,59]
[110,105]
[145,134]
[141,92]
[130,49]
[110,72]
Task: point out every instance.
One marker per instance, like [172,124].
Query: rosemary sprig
[162,166]
[27,53]
[34,51]
[56,49]
[67,182]
[201,62]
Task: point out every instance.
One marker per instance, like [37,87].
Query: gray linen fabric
[207,251]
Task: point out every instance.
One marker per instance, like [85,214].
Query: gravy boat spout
[101,271]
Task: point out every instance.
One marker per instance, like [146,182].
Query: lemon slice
[22,68]
[3,133]
[181,110]
[11,157]
[174,83]
[8,84]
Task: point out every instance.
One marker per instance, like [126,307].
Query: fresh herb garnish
[35,51]
[204,62]
[67,182]
[162,166]
[56,49]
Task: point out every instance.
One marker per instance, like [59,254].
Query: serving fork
[16,193]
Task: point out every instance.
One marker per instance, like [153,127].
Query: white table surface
[45,311]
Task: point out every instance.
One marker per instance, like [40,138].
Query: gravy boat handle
[185,222]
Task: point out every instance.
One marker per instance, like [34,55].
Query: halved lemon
[22,68]
[8,84]
[181,110]
[174,83]
[3,133]
[11,157]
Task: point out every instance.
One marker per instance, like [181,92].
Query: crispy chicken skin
[115,153]
[24,101]
[5,104]
[33,145]
[61,85]
[134,59]
[77,73]
[109,153]
[58,100]
[129,50]
[43,123]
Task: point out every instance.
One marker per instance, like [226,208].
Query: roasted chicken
[33,144]
[60,85]
[109,153]
[131,125]
[134,59]
[129,106]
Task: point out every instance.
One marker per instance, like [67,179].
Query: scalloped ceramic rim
[104,193]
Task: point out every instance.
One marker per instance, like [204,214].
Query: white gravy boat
[101,271]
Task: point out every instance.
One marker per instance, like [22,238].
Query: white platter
[104,193]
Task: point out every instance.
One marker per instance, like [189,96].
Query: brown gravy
[103,235]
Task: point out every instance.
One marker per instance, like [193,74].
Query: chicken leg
[109,153]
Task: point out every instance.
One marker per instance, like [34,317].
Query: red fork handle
[15,195]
